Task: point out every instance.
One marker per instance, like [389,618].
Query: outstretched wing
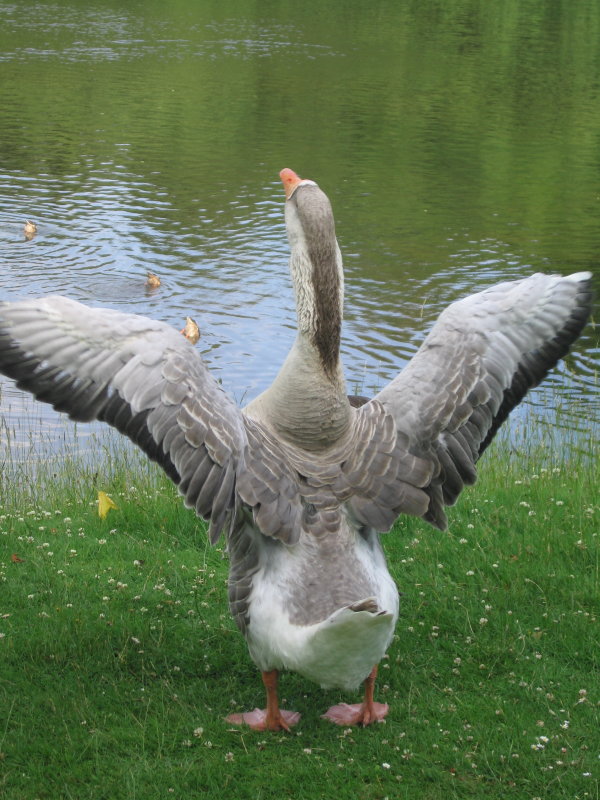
[482,356]
[146,380]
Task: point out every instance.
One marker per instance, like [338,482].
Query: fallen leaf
[105,503]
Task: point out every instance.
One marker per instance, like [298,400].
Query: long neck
[318,279]
[307,403]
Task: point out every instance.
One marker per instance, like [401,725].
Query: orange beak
[290,181]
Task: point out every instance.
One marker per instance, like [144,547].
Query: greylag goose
[301,482]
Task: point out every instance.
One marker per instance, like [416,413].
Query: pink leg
[361,713]
[272,718]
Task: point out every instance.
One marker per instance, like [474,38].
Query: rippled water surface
[458,142]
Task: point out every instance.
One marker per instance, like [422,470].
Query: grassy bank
[119,661]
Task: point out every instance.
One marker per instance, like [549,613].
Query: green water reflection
[459,142]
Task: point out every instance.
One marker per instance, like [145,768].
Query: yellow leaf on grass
[105,503]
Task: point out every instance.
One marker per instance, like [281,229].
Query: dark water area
[459,143]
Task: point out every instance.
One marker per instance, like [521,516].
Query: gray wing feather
[138,375]
[372,471]
[480,359]
[411,449]
[271,486]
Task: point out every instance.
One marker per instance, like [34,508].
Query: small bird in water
[191,331]
[152,281]
[29,229]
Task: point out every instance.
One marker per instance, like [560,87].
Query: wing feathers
[410,450]
[482,356]
[137,375]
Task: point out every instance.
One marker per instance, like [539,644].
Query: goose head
[315,266]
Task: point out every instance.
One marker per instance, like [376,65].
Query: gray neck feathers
[317,273]
[306,403]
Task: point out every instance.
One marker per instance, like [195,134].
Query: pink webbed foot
[272,718]
[357,714]
[260,720]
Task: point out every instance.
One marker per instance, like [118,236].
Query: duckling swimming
[152,281]
[191,331]
[29,229]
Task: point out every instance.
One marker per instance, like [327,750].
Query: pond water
[459,143]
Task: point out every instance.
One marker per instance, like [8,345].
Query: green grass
[119,660]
